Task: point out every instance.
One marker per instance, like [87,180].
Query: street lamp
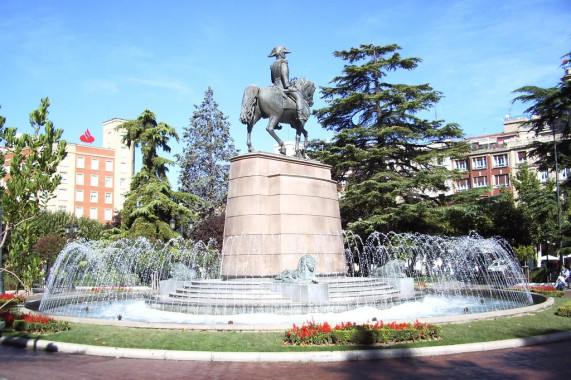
[182,230]
[71,230]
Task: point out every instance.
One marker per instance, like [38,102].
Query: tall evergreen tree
[151,203]
[207,150]
[550,110]
[383,149]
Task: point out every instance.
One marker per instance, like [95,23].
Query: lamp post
[181,230]
[71,230]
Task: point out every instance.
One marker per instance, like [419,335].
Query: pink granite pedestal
[279,209]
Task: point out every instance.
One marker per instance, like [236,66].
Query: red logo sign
[87,137]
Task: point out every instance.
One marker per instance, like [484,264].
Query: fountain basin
[136,313]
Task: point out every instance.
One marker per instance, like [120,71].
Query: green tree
[208,148]
[151,203]
[385,152]
[550,110]
[29,185]
[538,204]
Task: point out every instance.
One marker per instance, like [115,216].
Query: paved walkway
[547,361]
[535,362]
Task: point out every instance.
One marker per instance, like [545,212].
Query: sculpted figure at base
[304,274]
[283,102]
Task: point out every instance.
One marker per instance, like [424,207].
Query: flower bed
[9,300]
[32,323]
[311,333]
[108,289]
[546,290]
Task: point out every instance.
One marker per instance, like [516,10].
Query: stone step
[231,296]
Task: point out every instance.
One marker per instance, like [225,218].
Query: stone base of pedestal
[404,285]
[280,208]
[307,293]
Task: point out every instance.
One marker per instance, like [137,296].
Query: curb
[319,356]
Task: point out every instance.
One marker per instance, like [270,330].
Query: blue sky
[103,59]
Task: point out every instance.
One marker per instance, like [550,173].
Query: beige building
[494,159]
[95,179]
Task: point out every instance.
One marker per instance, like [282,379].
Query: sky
[99,60]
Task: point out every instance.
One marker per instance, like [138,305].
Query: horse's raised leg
[270,128]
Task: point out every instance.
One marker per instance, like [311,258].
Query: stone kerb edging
[316,356]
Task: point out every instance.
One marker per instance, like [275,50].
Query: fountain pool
[179,282]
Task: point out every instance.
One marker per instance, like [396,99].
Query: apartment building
[95,179]
[494,159]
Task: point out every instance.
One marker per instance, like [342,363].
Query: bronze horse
[271,102]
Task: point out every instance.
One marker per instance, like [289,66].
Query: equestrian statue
[284,102]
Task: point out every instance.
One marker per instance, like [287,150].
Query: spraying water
[389,276]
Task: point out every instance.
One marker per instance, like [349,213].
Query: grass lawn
[544,322]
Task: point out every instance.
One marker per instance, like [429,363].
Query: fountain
[399,276]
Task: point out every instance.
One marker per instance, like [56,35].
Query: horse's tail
[249,104]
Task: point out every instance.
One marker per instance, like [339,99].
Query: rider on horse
[280,78]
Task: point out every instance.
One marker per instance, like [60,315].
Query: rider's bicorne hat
[277,50]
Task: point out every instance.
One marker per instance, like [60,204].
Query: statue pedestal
[405,286]
[309,293]
[279,209]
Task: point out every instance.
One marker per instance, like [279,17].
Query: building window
[93,197]
[108,181]
[79,195]
[80,162]
[564,174]
[79,212]
[63,177]
[123,167]
[501,180]
[543,176]
[521,157]
[61,208]
[462,165]
[62,194]
[500,161]
[108,198]
[463,185]
[481,181]
[94,180]
[108,214]
[64,162]
[109,165]
[95,164]
[93,213]
[479,163]
[123,182]
[79,179]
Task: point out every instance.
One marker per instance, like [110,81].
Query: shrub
[564,310]
[32,323]
[351,333]
[538,275]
